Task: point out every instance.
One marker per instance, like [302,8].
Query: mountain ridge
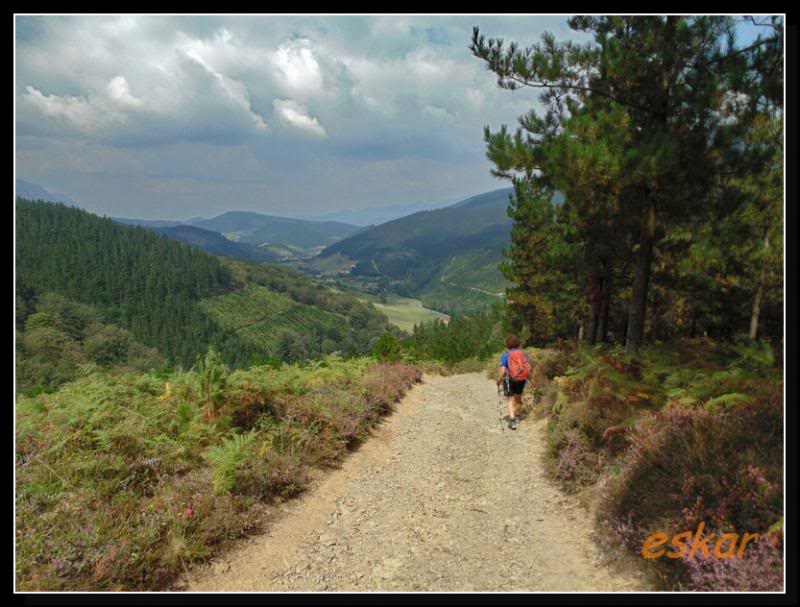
[34,191]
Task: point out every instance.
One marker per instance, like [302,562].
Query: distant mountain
[214,242]
[208,240]
[33,191]
[378,215]
[453,251]
[147,223]
[262,230]
[431,234]
[250,235]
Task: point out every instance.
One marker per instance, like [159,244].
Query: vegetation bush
[680,436]
[468,365]
[387,348]
[60,337]
[761,571]
[724,469]
[122,481]
[475,337]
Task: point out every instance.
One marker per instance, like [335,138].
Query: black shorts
[515,387]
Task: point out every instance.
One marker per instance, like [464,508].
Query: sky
[173,117]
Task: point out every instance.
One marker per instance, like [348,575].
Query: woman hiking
[515,367]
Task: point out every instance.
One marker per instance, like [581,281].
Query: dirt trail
[442,497]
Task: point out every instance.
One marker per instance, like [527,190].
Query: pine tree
[651,114]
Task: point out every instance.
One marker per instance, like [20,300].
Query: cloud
[233,90]
[120,92]
[88,114]
[476,98]
[294,114]
[191,98]
[297,67]
[437,113]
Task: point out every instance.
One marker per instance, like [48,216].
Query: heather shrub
[690,466]
[687,432]
[724,469]
[597,399]
[760,569]
[547,364]
[122,481]
[577,464]
[276,473]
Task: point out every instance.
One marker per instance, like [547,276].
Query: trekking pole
[500,405]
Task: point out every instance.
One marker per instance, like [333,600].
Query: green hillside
[258,229]
[265,319]
[136,279]
[448,257]
[159,289]
[216,243]
[436,233]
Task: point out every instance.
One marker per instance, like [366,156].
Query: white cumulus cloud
[297,67]
[294,114]
[119,91]
[89,114]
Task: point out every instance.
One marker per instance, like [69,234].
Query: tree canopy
[663,135]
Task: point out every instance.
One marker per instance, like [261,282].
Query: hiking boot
[513,423]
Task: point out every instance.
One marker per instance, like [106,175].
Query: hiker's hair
[512,341]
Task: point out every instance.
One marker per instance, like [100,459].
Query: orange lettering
[746,538]
[731,551]
[654,541]
[701,544]
[679,545]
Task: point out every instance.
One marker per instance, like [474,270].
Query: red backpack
[519,367]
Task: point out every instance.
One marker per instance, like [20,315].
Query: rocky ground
[442,497]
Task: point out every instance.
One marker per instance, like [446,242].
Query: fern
[727,400]
[212,378]
[184,414]
[755,356]
[225,458]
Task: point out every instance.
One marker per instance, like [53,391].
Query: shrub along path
[442,497]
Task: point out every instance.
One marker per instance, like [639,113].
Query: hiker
[515,367]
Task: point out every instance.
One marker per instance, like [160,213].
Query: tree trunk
[605,304]
[653,322]
[756,312]
[593,327]
[638,309]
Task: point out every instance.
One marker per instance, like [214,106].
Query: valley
[403,312]
[444,256]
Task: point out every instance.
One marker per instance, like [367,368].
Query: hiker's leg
[511,406]
[517,404]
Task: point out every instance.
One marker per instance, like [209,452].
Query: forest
[666,140]
[162,294]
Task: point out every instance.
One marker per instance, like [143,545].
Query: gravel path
[442,497]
